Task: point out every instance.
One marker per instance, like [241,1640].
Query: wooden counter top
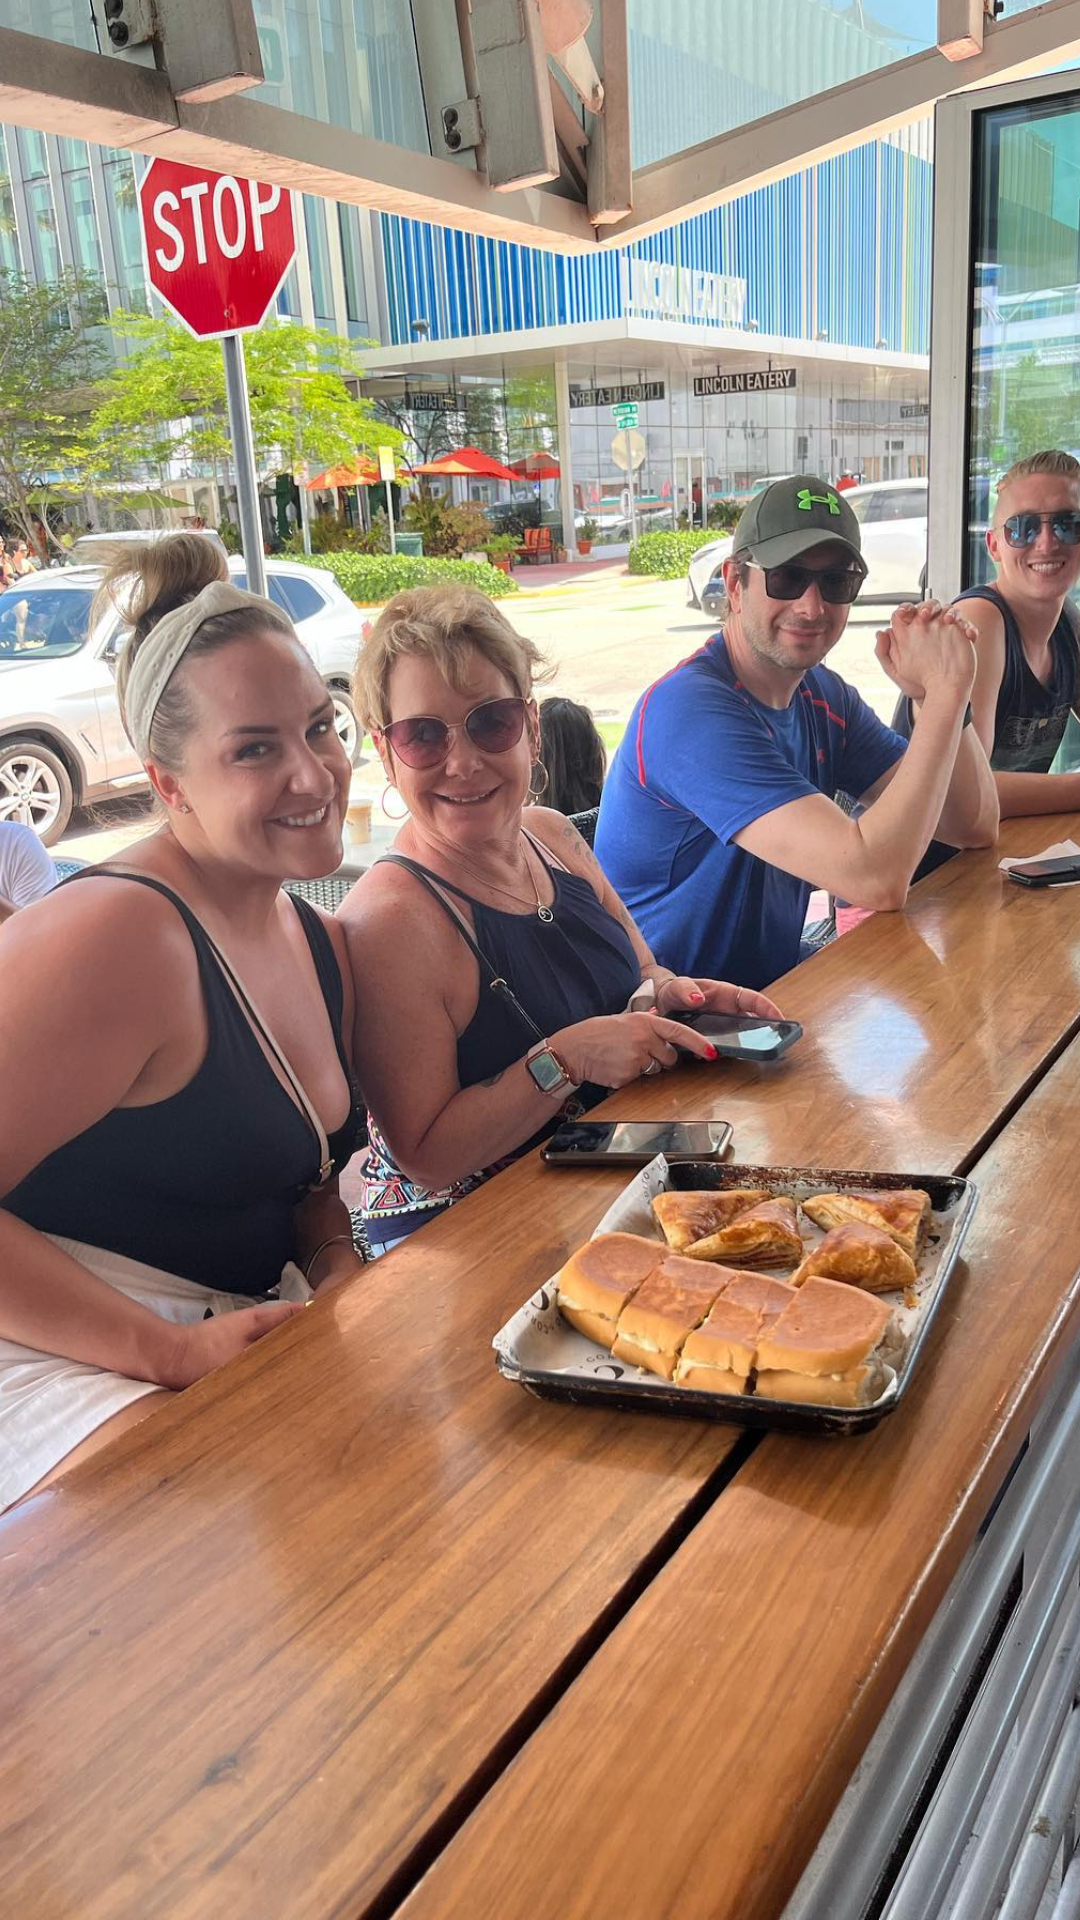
[265,1653]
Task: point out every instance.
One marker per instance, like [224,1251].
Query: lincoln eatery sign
[758,380]
[217,247]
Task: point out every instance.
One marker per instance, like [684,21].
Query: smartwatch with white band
[550,1074]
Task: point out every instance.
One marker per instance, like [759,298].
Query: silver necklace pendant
[544,913]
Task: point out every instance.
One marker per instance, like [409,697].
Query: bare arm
[77,1041]
[416,983]
[869,860]
[1018,793]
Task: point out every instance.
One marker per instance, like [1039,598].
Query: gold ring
[738,999]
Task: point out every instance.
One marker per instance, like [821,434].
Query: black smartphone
[744,1036]
[1047,873]
[633,1143]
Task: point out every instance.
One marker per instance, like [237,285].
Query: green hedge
[377,576]
[667,555]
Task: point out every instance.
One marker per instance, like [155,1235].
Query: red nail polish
[711,1053]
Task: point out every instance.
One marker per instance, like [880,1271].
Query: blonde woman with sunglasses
[492,961]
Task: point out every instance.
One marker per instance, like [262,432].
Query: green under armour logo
[804,500]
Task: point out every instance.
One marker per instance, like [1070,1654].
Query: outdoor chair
[538,545]
[328,892]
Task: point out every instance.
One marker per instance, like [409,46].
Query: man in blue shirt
[718,817]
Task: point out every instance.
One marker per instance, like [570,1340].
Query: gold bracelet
[335,1240]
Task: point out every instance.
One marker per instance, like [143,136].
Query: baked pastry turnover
[901,1212]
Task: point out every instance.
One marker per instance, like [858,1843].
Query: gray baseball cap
[792,516]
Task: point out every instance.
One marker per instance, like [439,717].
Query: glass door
[691,492]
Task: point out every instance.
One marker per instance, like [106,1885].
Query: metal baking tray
[539,1350]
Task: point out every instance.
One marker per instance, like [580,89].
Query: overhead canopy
[469,462]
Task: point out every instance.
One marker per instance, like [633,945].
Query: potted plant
[587,533]
[500,550]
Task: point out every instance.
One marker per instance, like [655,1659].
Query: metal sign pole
[388,489]
[630,484]
[247,485]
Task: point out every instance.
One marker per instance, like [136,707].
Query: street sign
[217,247]
[387,470]
[626,413]
[628,451]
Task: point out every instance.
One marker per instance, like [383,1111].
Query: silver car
[62,743]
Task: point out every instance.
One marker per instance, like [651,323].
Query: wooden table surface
[266,1653]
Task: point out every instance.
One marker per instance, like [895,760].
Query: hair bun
[145,581]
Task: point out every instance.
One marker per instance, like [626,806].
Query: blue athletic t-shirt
[700,760]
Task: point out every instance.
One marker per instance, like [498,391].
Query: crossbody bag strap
[496,983]
[250,1011]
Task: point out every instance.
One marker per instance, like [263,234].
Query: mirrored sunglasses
[1022,529]
[838,586]
[424,741]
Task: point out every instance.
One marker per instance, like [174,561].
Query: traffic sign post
[388,474]
[625,415]
[217,251]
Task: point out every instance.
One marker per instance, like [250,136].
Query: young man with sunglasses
[1026,678]
[718,817]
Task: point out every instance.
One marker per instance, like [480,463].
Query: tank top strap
[550,860]
[327,968]
[215,965]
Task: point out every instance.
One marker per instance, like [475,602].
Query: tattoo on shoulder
[580,845]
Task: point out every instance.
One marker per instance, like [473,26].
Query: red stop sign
[217,247]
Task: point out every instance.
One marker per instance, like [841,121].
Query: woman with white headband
[171,1037]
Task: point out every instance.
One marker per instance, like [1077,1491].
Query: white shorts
[49,1404]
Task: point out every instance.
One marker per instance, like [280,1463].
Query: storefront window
[9,240]
[120,196]
[43,229]
[318,261]
[348,222]
[1025,343]
[80,203]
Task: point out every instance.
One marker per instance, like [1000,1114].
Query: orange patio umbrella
[469,462]
[361,473]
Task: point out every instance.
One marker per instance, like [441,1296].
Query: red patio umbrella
[469,462]
[537,466]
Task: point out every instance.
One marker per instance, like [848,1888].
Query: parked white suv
[893,514]
[62,743]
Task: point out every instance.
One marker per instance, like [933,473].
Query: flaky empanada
[863,1255]
[686,1217]
[901,1212]
[763,1236]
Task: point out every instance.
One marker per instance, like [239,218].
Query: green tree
[51,357]
[166,403]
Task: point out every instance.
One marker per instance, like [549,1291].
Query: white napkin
[1058,852]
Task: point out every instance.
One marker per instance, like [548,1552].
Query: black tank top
[577,965]
[1030,719]
[204,1184]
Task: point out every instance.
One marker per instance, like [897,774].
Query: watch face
[546,1071]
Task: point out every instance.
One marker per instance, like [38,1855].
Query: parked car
[62,742]
[893,515]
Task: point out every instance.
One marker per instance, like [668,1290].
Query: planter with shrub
[588,533]
[371,578]
[666,556]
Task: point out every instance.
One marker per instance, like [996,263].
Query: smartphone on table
[743,1036]
[1047,873]
[633,1143]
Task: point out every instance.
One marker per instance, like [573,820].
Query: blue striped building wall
[842,250]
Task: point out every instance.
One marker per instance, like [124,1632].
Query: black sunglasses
[424,741]
[838,586]
[1022,529]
